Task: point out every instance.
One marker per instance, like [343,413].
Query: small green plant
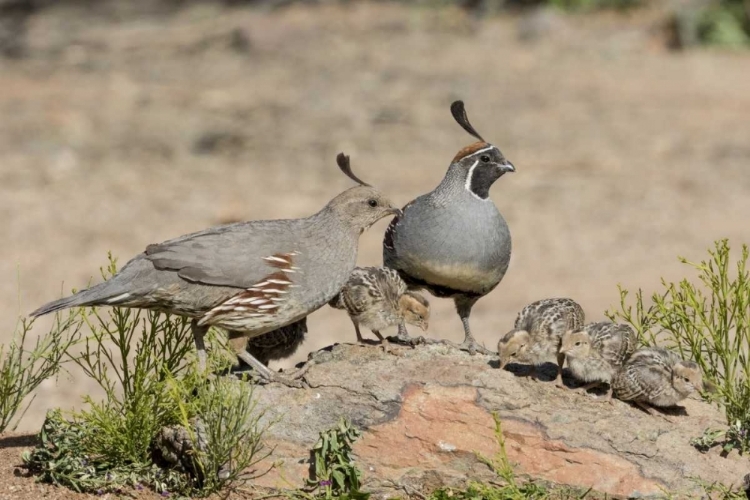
[707,321]
[335,473]
[143,363]
[725,23]
[22,370]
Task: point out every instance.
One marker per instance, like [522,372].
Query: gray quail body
[250,277]
[377,298]
[453,241]
[596,352]
[657,377]
[535,338]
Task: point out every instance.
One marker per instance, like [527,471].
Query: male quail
[658,377]
[248,277]
[453,241]
[535,338]
[596,352]
[377,298]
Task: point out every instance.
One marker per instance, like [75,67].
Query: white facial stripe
[467,185]
[480,151]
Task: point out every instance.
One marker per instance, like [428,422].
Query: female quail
[658,377]
[535,338]
[250,277]
[596,352]
[377,298]
[453,241]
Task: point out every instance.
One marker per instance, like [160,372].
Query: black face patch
[482,178]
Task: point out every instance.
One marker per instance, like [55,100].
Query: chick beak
[503,363]
[423,326]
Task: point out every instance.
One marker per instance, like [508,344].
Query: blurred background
[128,122]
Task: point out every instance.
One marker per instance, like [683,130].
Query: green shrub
[727,23]
[143,361]
[22,370]
[335,473]
[706,320]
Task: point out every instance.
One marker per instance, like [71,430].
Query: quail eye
[513,355]
[485,158]
[578,343]
[372,203]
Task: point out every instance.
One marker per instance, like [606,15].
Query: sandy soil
[121,133]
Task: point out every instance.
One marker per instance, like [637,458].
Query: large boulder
[425,413]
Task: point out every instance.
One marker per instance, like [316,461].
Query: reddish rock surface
[427,413]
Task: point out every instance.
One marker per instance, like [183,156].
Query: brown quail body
[377,298]
[657,377]
[535,338]
[597,351]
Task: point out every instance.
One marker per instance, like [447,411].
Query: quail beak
[503,364]
[507,167]
[395,211]
[423,326]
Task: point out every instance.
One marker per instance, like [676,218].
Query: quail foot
[248,278]
[535,338]
[453,241]
[377,298]
[597,351]
[657,377]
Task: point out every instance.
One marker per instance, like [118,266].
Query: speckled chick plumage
[377,298]
[250,277]
[537,332]
[658,377]
[453,241]
[597,351]
[278,344]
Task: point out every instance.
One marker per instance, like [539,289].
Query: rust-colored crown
[471,149]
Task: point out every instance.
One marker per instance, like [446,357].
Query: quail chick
[453,241]
[596,352]
[278,344]
[535,338]
[377,298]
[248,278]
[657,377]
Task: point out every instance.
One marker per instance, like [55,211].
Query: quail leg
[383,342]
[559,380]
[463,306]
[406,339]
[199,332]
[239,343]
[360,339]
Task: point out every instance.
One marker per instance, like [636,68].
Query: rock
[425,413]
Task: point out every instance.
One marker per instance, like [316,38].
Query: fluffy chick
[377,298]
[657,377]
[535,338]
[278,344]
[596,352]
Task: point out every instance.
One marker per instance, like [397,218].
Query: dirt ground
[122,131]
